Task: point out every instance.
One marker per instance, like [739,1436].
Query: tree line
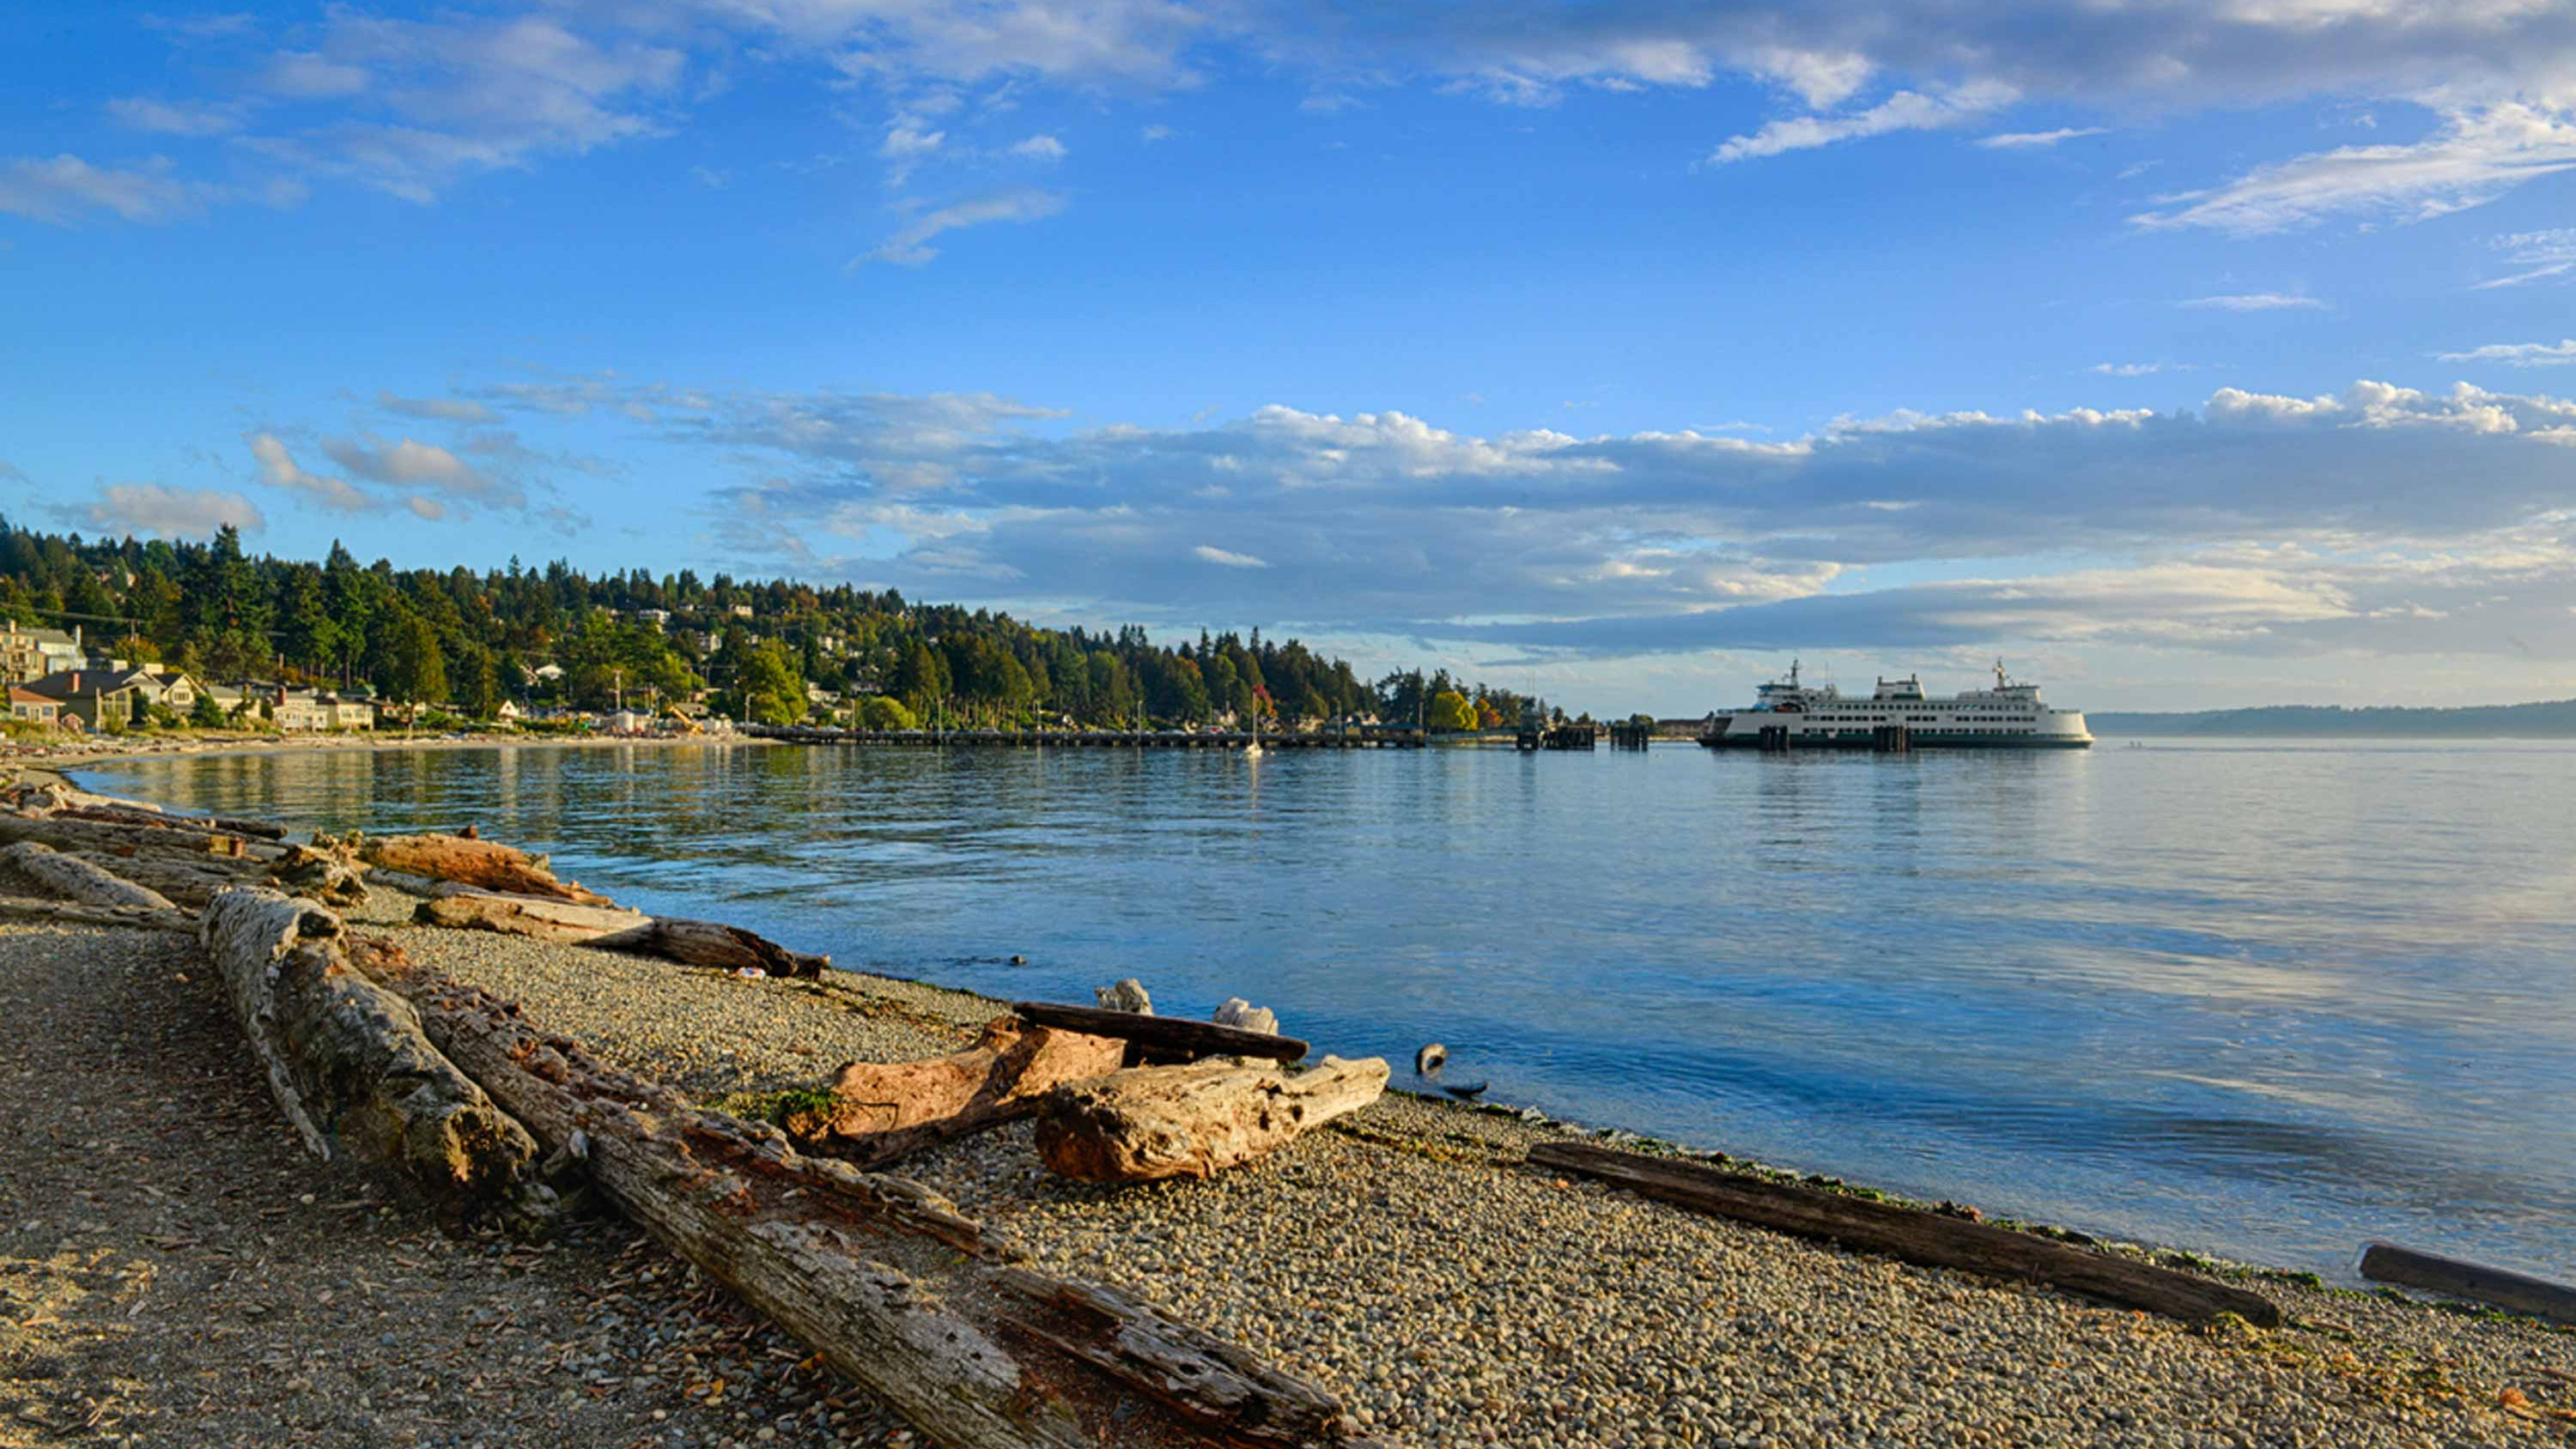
[471,640]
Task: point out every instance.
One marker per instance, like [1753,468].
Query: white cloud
[907,247]
[1903,111]
[152,508]
[1226,558]
[2474,157]
[278,469]
[2520,354]
[907,144]
[411,464]
[1040,148]
[442,409]
[2256,302]
[2028,140]
[62,189]
[2138,369]
[1154,133]
[2542,254]
[176,118]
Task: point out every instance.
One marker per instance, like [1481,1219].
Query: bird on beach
[1427,1064]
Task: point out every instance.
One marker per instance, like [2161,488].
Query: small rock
[1244,1016]
[1127,995]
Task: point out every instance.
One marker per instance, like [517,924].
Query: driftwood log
[1910,1234]
[469,909]
[484,863]
[706,943]
[352,1070]
[32,912]
[1167,1037]
[2457,1278]
[70,833]
[880,1111]
[73,878]
[880,1276]
[1190,1121]
[122,812]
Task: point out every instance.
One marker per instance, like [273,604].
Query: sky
[2179,354]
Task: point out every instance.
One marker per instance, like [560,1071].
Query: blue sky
[2183,354]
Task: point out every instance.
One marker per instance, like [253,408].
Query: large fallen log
[1911,1234]
[468,908]
[879,1275]
[876,1112]
[191,881]
[126,812]
[352,1070]
[76,879]
[706,943]
[1163,1036]
[2458,1278]
[1147,1123]
[27,911]
[484,863]
[69,833]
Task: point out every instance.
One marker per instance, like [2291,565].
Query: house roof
[20,694]
[45,636]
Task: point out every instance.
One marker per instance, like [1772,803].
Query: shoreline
[1410,1259]
[2172,1254]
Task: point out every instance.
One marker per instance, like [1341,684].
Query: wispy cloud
[62,190]
[908,246]
[2542,254]
[1903,111]
[2476,156]
[2256,302]
[1039,148]
[2030,140]
[2519,354]
[1226,558]
[2138,369]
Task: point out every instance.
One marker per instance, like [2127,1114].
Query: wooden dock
[1359,739]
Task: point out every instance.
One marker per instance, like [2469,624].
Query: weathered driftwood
[2455,1278]
[33,912]
[1911,1234]
[484,863]
[1163,1036]
[67,833]
[76,879]
[880,1276]
[319,875]
[470,909]
[190,881]
[880,1111]
[351,1068]
[126,812]
[706,943]
[1191,1121]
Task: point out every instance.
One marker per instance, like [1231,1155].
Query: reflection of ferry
[1787,714]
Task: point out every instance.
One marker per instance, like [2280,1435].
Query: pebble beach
[231,1291]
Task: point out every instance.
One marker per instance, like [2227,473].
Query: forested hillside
[472,640]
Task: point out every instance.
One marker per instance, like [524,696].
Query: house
[31,654]
[547,673]
[299,711]
[99,698]
[349,712]
[33,708]
[507,716]
[742,611]
[655,617]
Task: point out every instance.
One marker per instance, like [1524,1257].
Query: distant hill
[2555,719]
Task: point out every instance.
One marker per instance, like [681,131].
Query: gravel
[1408,1260]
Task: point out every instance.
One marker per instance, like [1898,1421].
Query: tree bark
[705,943]
[1165,1036]
[1148,1123]
[71,913]
[69,834]
[879,1275]
[881,1111]
[352,1070]
[76,879]
[475,862]
[546,920]
[1910,1234]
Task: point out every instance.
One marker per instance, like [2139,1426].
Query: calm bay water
[2267,999]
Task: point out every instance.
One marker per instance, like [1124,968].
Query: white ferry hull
[1754,731]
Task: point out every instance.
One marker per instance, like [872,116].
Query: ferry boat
[1898,716]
